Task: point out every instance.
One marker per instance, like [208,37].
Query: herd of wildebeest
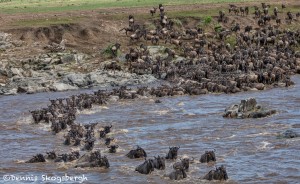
[261,57]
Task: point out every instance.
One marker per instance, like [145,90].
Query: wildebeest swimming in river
[137,153]
[108,141]
[173,152]
[208,156]
[158,162]
[146,168]
[183,164]
[68,157]
[177,174]
[218,174]
[37,158]
[113,148]
[93,159]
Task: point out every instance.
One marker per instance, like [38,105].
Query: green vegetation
[231,40]
[207,20]
[107,52]
[177,22]
[31,6]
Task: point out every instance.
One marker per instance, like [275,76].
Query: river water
[249,148]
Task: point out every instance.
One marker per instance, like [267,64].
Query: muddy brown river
[249,148]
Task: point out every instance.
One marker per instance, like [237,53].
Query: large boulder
[58,86]
[248,108]
[79,80]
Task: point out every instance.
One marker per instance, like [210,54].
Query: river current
[249,148]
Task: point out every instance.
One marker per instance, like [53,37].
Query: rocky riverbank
[61,71]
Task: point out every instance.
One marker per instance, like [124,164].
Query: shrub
[207,20]
[107,52]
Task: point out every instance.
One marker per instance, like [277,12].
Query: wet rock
[248,108]
[79,80]
[68,58]
[57,86]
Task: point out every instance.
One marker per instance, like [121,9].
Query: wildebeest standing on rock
[218,174]
[173,152]
[137,153]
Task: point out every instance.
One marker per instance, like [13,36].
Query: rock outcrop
[248,108]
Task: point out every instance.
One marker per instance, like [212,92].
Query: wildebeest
[37,158]
[173,152]
[137,153]
[51,155]
[158,163]
[113,148]
[145,168]
[177,174]
[108,141]
[68,157]
[183,164]
[218,174]
[94,159]
[208,156]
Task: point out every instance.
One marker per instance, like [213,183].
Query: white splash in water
[180,104]
[264,146]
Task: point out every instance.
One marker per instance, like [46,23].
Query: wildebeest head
[107,129]
[137,153]
[51,155]
[173,152]
[208,156]
[108,140]
[102,133]
[113,148]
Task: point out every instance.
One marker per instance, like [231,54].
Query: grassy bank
[35,6]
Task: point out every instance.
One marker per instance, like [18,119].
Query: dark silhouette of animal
[51,155]
[183,164]
[95,160]
[177,174]
[218,174]
[158,162]
[137,153]
[37,158]
[108,141]
[113,148]
[153,11]
[208,156]
[145,168]
[173,152]
[68,157]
